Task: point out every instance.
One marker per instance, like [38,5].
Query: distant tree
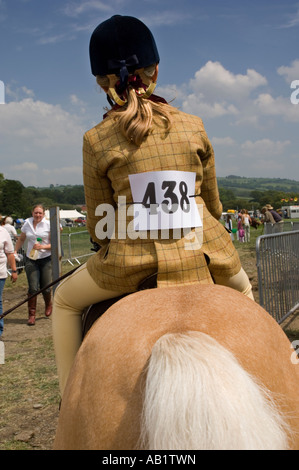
[267,197]
[12,198]
[74,195]
[226,195]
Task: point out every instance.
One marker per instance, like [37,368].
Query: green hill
[242,186]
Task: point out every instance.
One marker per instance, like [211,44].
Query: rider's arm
[97,187]
[209,188]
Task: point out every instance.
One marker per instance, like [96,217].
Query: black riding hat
[120,45]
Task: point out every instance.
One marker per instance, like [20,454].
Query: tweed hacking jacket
[122,262]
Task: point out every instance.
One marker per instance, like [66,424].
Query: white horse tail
[197,396]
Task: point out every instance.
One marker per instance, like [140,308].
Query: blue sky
[231,62]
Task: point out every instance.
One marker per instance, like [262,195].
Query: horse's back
[102,403]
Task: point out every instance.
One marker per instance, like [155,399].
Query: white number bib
[162,200]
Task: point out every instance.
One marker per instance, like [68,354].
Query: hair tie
[150,90]
[117,98]
[121,66]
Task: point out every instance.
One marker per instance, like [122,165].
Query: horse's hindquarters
[102,403]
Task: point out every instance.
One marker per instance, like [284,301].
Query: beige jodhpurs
[239,282]
[79,291]
[71,297]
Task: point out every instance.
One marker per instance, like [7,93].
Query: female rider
[150,169]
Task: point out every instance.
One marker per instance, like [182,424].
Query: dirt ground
[29,396]
[28,403]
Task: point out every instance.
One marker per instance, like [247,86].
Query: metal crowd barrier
[285,226]
[278,273]
[75,246]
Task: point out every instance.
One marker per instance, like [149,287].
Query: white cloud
[41,143]
[74,99]
[266,156]
[226,141]
[44,142]
[293,20]
[172,93]
[196,105]
[263,157]
[268,166]
[216,82]
[16,93]
[167,18]
[280,106]
[264,147]
[215,91]
[74,9]
[44,40]
[75,170]
[78,103]
[290,73]
[25,166]
[251,119]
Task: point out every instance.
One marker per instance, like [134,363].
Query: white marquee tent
[64,214]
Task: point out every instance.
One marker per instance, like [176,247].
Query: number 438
[175,195]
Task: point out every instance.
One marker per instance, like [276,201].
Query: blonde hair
[136,117]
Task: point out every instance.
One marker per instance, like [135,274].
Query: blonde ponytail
[137,113]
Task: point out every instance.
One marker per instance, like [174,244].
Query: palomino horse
[195,367]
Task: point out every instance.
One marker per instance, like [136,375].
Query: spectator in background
[241,231]
[8,225]
[246,222]
[6,254]
[229,226]
[38,266]
[277,218]
[267,216]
